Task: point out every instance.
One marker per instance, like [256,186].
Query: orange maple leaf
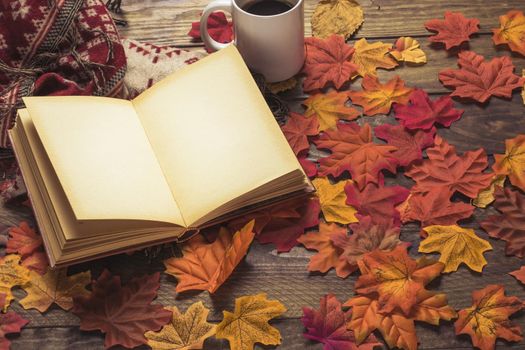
[397,329]
[396,278]
[511,31]
[297,129]
[353,150]
[512,163]
[487,318]
[368,57]
[444,170]
[327,61]
[328,256]
[206,266]
[377,98]
[329,108]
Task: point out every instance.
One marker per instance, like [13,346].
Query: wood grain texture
[383,18]
[284,276]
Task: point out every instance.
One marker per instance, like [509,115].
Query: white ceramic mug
[270,45]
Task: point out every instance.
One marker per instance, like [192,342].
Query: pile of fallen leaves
[353,223]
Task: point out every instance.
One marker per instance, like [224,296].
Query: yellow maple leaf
[407,49]
[336,17]
[54,287]
[457,245]
[486,196]
[284,85]
[248,324]
[11,274]
[333,201]
[512,163]
[511,31]
[368,57]
[186,331]
[329,108]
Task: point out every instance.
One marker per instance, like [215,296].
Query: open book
[107,175]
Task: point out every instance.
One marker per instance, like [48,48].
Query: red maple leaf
[297,129]
[435,208]
[479,79]
[282,224]
[366,237]
[124,313]
[353,150]
[309,167]
[444,170]
[409,144]
[376,201]
[454,30]
[10,322]
[23,240]
[327,61]
[423,113]
[219,28]
[328,326]
[510,224]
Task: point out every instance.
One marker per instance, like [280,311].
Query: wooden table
[284,276]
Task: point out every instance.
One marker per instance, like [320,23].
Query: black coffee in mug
[266,7]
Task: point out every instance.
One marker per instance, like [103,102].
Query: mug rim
[234,2]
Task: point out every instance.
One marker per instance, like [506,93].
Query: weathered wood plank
[168,22]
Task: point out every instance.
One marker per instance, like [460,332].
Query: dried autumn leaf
[186,331]
[407,49]
[487,318]
[397,329]
[328,255]
[457,245]
[510,224]
[353,150]
[423,113]
[444,170]
[409,144]
[36,262]
[368,57]
[486,196]
[511,31]
[248,324]
[309,167]
[396,278]
[333,201]
[329,108]
[10,323]
[219,28]
[519,274]
[478,79]
[366,237]
[283,223]
[377,98]
[336,17]
[327,61]
[435,208]
[453,30]
[123,312]
[297,129]
[282,86]
[378,202]
[512,163]
[11,275]
[23,240]
[328,326]
[523,90]
[54,287]
[207,266]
